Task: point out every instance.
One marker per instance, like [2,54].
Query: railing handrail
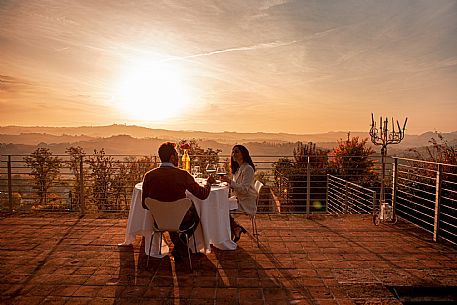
[425,161]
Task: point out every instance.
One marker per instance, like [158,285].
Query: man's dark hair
[166,150]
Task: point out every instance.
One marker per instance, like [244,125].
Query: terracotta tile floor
[64,259]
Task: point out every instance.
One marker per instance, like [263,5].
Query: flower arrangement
[185,146]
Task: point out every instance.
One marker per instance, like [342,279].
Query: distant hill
[144,132]
[124,139]
[36,138]
[221,137]
[127,145]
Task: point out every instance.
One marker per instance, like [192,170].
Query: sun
[152,91]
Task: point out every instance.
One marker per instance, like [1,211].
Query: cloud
[448,62]
[268,45]
[272,3]
[11,84]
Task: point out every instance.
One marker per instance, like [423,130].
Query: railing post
[374,203]
[82,206]
[308,187]
[345,203]
[394,185]
[10,186]
[439,174]
[279,187]
[382,196]
[326,194]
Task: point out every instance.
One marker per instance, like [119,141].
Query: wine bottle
[186,161]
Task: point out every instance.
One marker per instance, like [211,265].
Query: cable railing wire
[426,196]
[424,192]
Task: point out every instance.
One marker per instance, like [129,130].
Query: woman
[242,184]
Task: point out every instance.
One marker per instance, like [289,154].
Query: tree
[352,161]
[102,172]
[129,171]
[120,181]
[440,151]
[291,177]
[76,154]
[45,169]
[283,169]
[137,167]
[317,157]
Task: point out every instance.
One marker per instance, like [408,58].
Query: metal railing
[345,197]
[421,192]
[83,184]
[425,193]
[93,183]
[301,187]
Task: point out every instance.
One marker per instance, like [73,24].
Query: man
[169,183]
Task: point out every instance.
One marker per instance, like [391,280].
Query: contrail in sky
[249,48]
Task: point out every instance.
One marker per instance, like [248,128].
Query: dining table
[213,229]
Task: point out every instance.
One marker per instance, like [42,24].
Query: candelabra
[382,136]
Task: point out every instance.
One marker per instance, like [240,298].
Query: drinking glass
[221,172]
[210,168]
[196,171]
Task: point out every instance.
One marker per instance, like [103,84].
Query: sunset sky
[245,66]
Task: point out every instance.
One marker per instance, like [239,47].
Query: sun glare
[151,91]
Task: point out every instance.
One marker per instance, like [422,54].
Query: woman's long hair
[246,158]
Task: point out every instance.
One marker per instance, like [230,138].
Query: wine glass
[221,172]
[210,168]
[196,171]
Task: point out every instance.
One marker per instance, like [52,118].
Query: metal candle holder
[382,136]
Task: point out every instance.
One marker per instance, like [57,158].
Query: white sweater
[243,186]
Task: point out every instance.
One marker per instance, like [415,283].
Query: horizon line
[212,132]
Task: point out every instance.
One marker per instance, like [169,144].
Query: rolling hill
[124,139]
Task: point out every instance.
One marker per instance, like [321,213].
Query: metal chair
[258,186]
[168,216]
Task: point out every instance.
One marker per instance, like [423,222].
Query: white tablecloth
[214,227]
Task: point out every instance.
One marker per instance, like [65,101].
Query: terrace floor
[60,258]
